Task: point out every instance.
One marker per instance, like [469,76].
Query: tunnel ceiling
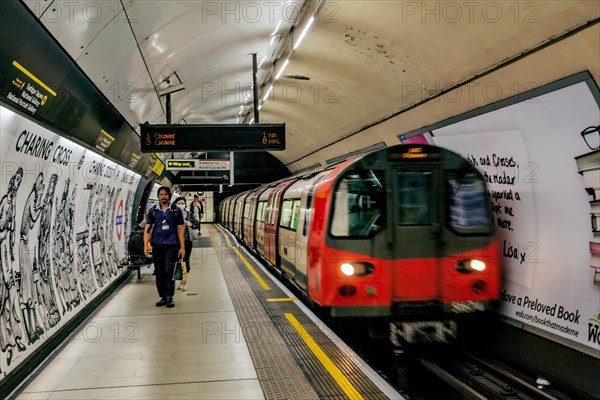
[359,63]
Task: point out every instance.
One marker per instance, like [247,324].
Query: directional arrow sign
[181,165]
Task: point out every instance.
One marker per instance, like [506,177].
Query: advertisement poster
[502,159]
[531,156]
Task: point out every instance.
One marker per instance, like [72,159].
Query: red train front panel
[403,231]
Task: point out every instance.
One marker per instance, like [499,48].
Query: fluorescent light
[276,29]
[251,121]
[306,28]
[266,96]
[262,61]
[285,63]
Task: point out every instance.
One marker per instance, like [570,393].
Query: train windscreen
[414,197]
[359,204]
[468,206]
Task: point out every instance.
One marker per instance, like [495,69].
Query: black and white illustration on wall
[48,270]
[11,332]
[63,212]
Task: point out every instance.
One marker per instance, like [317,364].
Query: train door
[251,232]
[305,216]
[272,223]
[271,217]
[248,220]
[239,216]
[262,215]
[417,239]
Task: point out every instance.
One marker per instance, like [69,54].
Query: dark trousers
[165,257]
[188,253]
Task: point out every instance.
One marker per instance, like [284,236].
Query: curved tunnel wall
[65,215]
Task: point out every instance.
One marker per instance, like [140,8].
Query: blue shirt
[164,225]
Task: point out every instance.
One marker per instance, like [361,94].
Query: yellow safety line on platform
[333,370]
[246,263]
[283,299]
[35,79]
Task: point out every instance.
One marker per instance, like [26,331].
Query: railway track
[467,376]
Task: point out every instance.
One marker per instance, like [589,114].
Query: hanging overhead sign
[197,165]
[205,180]
[213,165]
[181,165]
[225,137]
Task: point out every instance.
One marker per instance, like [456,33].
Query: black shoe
[20,345]
[170,303]
[161,302]
[32,337]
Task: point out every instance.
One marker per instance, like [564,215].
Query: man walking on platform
[164,235]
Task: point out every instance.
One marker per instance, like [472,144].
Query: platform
[234,334]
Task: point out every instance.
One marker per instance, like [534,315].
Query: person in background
[198,210]
[164,234]
[191,224]
[135,246]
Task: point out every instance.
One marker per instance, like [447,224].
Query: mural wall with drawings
[529,154]
[65,215]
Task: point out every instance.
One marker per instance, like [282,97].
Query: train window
[358,205]
[414,197]
[260,212]
[295,211]
[467,206]
[286,213]
[289,214]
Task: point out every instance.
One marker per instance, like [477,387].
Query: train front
[404,232]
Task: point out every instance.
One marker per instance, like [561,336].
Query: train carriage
[238,214]
[403,232]
[261,220]
[250,217]
[294,231]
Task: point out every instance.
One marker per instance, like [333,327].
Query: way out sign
[198,165]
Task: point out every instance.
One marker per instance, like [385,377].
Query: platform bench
[131,266]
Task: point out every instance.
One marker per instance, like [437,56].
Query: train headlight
[471,265]
[356,268]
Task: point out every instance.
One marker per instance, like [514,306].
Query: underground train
[403,232]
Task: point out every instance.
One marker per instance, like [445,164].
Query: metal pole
[168,108]
[231,168]
[255,88]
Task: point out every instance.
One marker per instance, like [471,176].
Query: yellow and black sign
[104,141]
[27,90]
[181,165]
[158,167]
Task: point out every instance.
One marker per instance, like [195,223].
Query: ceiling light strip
[305,31]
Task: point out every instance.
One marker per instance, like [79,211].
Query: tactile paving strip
[286,367]
[277,370]
[203,241]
